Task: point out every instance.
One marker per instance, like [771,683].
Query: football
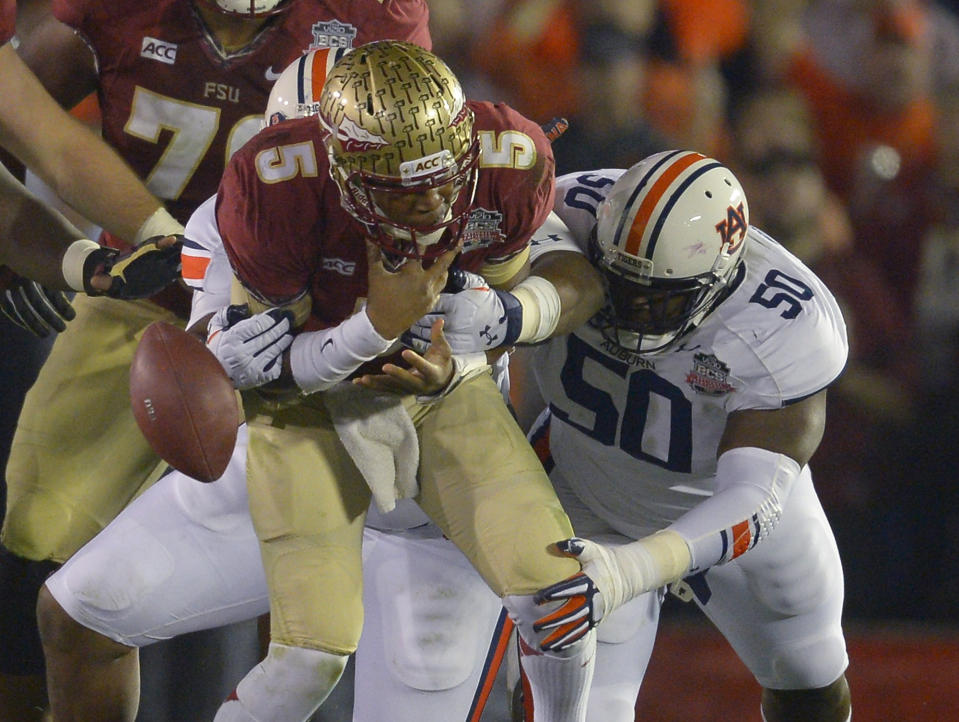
[183,401]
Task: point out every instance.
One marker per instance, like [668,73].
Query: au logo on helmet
[733,223]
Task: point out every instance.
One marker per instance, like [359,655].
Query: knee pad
[20,580]
[432,611]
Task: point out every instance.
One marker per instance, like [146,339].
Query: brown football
[183,401]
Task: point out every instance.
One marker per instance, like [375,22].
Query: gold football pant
[479,481]
[78,456]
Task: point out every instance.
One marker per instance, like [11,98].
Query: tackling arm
[547,290]
[761,454]
[566,272]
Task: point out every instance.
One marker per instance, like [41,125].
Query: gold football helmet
[397,122]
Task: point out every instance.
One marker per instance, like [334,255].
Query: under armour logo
[487,333]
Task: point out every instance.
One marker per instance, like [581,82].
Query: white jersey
[637,435]
[206,268]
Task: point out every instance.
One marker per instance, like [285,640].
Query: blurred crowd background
[841,119]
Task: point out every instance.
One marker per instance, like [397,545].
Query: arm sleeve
[320,359]
[205,267]
[751,487]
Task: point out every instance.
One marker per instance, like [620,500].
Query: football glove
[139,273]
[34,307]
[250,348]
[583,604]
[610,577]
[476,316]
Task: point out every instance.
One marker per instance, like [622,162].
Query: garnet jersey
[176,105]
[637,435]
[8,19]
[286,233]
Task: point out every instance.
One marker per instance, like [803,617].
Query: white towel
[379,435]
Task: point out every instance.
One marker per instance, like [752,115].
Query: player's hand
[583,604]
[427,375]
[478,317]
[139,273]
[33,307]
[395,299]
[250,348]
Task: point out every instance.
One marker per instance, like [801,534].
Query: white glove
[477,317]
[610,577]
[250,348]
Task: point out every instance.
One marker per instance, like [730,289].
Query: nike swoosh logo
[271,76]
[328,342]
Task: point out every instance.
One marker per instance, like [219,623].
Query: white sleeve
[751,486]
[320,359]
[206,268]
[553,235]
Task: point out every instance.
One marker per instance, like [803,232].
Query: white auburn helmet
[296,93]
[669,238]
[249,8]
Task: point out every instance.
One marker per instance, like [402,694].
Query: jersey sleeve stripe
[193,269]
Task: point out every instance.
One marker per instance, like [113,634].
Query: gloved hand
[610,577]
[584,605]
[32,306]
[250,348]
[476,316]
[139,273]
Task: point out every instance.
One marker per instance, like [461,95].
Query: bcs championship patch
[709,376]
[332,34]
[483,228]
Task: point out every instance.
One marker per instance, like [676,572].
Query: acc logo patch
[709,376]
[338,265]
[734,223]
[158,50]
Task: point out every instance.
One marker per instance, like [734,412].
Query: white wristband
[160,223]
[541,308]
[74,259]
[320,359]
